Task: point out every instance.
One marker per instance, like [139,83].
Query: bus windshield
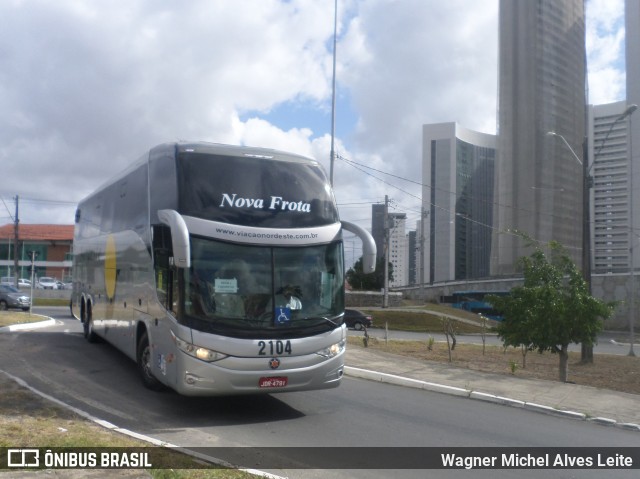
[254,192]
[257,291]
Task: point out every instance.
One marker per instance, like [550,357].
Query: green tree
[371,281]
[552,309]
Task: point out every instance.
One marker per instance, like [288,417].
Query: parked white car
[47,283]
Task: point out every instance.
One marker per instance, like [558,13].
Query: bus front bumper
[236,376]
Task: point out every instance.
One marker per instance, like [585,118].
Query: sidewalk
[563,399]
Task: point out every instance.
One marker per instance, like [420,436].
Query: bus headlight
[203,354]
[332,350]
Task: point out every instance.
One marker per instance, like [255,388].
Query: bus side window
[162,256]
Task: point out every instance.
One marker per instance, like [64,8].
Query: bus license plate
[273,382]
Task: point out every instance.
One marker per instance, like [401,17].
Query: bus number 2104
[272,348]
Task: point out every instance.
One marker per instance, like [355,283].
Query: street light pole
[387,240]
[586,185]
[586,349]
[632,308]
[333,94]
[587,352]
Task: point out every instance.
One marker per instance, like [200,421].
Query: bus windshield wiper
[324,318]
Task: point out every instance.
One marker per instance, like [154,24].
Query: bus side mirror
[179,237]
[368,246]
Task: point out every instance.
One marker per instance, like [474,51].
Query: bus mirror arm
[179,237]
[368,246]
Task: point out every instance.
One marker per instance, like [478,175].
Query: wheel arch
[141,328]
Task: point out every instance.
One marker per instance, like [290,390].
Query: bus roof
[235,150]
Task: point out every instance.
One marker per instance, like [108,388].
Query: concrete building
[632,32]
[458,179]
[412,255]
[51,242]
[542,77]
[399,249]
[378,227]
[609,193]
[398,242]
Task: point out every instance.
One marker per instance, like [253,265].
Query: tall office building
[398,252]
[458,178]
[378,227]
[632,31]
[398,243]
[412,257]
[542,77]
[609,192]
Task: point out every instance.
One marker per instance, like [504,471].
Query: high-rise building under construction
[542,88]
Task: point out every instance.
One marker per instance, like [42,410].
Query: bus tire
[87,324]
[144,359]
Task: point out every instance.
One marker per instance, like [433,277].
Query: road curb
[403,381]
[480,396]
[28,326]
[135,435]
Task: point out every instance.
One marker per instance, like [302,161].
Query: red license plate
[273,382]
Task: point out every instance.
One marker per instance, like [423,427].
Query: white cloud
[410,63]
[86,87]
[605,37]
[257,132]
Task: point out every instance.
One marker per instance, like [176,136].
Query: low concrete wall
[617,287]
[430,293]
[48,293]
[608,287]
[360,299]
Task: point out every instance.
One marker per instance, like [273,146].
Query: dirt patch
[618,373]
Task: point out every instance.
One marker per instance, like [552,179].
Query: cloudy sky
[87,86]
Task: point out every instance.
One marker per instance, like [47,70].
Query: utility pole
[423,218]
[586,350]
[33,255]
[387,235]
[16,236]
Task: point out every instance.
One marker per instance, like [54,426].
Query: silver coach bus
[218,269]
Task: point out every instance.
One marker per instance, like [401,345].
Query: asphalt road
[98,379]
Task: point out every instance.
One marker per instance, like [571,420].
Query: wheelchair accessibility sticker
[283,316]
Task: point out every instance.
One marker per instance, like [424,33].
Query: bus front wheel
[144,357]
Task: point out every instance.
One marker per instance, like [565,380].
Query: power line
[359,166]
[42,200]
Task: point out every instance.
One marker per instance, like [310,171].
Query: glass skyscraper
[458,173]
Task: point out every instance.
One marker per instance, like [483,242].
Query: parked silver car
[11,297]
[10,281]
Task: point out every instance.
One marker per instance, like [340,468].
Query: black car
[357,320]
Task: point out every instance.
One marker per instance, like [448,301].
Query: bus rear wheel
[87,323]
[144,359]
